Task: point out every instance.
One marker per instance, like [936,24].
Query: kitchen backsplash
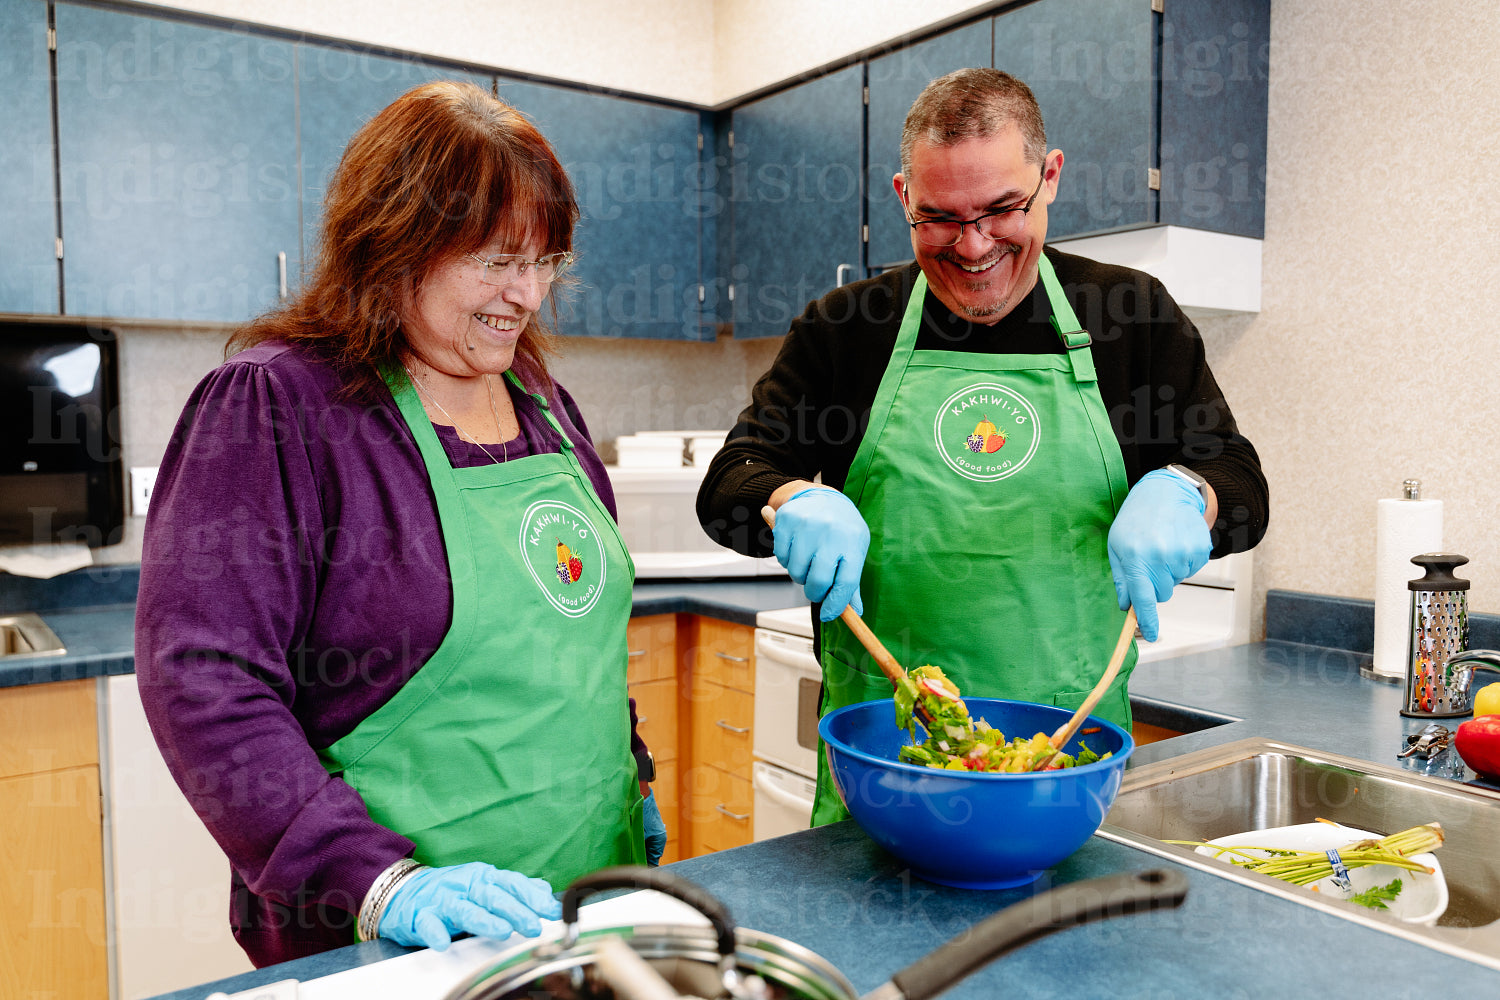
[622,386]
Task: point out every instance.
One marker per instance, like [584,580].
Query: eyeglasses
[504,268]
[991,225]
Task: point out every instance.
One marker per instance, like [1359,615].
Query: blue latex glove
[1158,540]
[821,540]
[656,832]
[435,904]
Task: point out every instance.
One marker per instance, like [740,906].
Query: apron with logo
[511,744]
[989,482]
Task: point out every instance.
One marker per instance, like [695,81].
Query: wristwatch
[1183,472]
[645,765]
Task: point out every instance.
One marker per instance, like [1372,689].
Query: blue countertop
[834,891]
[100,639]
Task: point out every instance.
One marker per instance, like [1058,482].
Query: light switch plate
[142,484]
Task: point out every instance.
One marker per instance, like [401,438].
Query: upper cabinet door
[797,199]
[339,89]
[179,167]
[1215,65]
[1091,65]
[28,200]
[634,168]
[895,81]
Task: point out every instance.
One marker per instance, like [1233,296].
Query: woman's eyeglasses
[504,268]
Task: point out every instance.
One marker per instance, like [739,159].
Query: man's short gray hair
[973,104]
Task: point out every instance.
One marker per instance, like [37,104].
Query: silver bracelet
[373,908]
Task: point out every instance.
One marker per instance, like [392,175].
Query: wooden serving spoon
[883,658]
[1066,730]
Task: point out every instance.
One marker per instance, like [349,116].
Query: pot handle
[1020,924]
[641,877]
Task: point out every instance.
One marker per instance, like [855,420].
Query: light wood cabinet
[652,679]
[719,809]
[716,789]
[52,928]
[725,654]
[721,725]
[693,681]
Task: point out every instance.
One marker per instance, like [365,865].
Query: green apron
[989,482]
[511,744]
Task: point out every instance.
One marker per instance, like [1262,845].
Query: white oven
[785,746]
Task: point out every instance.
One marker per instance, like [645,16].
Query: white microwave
[659,521]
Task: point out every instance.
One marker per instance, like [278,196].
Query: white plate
[1422,899]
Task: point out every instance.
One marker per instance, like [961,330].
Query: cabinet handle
[731,815]
[635,652]
[724,724]
[281,273]
[641,720]
[838,275]
[732,659]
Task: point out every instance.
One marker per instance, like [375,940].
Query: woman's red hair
[440,171]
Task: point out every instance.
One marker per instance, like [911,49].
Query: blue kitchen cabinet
[1213,72]
[895,80]
[1091,65]
[178,180]
[28,200]
[716,191]
[635,168]
[1126,93]
[797,199]
[339,89]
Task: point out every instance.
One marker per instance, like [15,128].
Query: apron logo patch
[986,432]
[564,554]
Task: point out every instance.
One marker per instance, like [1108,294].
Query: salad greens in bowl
[973,815]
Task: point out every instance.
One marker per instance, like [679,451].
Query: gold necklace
[504,447]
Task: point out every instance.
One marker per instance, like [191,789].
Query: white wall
[663,48]
[1374,358]
[703,52]
[757,43]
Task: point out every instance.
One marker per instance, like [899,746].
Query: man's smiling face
[979,278]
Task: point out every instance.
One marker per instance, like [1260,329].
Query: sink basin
[1257,784]
[27,635]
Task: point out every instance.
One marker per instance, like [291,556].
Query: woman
[381,626]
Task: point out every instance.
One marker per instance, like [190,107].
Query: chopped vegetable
[1308,867]
[1377,896]
[958,743]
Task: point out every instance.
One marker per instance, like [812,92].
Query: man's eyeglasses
[504,268]
[992,225]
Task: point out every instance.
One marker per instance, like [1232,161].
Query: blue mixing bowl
[965,828]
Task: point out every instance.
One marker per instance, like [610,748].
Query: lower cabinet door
[720,814]
[52,939]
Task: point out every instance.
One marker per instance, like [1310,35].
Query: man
[997,485]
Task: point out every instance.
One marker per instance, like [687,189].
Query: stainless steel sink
[1255,784]
[27,635]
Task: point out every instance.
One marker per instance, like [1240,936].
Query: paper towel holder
[1411,489]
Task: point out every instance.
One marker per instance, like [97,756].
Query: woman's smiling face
[458,324]
[979,278]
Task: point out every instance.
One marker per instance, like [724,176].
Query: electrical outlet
[142,483]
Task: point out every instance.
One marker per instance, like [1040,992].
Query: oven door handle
[778,795]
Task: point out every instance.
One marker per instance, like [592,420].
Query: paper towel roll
[1403,528]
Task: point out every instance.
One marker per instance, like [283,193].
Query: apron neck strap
[410,405]
[1074,337]
[541,403]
